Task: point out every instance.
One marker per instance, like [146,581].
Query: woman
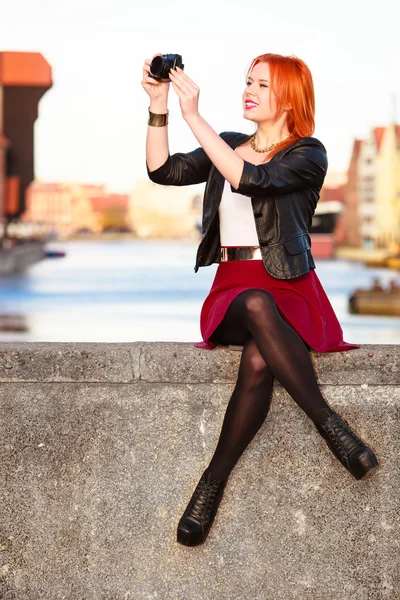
[260,196]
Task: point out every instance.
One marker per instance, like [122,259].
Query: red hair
[292,85]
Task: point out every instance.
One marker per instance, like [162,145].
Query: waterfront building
[350,219]
[24,79]
[372,194]
[67,208]
[388,187]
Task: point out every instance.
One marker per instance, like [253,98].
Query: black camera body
[160,65]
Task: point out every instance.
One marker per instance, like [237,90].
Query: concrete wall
[101,446]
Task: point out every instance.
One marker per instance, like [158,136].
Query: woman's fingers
[176,83]
[190,90]
[184,83]
[148,79]
[182,75]
[146,75]
[182,94]
[187,91]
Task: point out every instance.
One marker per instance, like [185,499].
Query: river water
[139,290]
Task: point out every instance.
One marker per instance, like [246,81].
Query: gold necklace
[268,148]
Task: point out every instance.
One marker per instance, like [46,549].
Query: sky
[92,123]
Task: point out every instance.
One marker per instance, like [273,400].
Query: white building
[366,185]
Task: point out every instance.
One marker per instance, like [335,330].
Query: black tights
[272,348]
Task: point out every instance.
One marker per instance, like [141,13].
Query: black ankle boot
[199,515]
[352,452]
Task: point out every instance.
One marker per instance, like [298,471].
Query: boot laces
[342,437]
[203,497]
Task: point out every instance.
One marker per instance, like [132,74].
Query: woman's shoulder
[230,136]
[307,141]
[230,133]
[308,150]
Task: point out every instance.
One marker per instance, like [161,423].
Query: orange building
[348,227]
[24,79]
[112,211]
[66,208]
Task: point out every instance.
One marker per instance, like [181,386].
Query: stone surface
[64,361]
[97,468]
[178,362]
[378,365]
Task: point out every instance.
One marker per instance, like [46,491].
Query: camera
[160,65]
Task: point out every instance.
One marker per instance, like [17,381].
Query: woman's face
[258,101]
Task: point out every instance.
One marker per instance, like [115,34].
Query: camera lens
[156,66]
[161,65]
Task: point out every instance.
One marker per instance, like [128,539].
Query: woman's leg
[246,410]
[254,312]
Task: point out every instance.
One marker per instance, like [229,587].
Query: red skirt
[301,301]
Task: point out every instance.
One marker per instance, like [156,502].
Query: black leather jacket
[284,193]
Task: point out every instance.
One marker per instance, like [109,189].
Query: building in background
[111,211]
[371,216]
[348,229]
[366,186]
[24,79]
[66,208]
[150,211]
[388,188]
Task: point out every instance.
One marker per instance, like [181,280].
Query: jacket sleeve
[304,167]
[182,169]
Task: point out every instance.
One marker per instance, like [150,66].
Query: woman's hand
[157,90]
[187,91]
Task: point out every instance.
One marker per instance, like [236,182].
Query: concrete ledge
[101,446]
[168,362]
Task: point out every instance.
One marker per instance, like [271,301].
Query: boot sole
[369,472]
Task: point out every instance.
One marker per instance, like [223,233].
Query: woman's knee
[258,303]
[253,363]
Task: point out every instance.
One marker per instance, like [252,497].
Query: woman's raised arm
[157,149]
[178,169]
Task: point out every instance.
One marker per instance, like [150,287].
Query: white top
[236,219]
